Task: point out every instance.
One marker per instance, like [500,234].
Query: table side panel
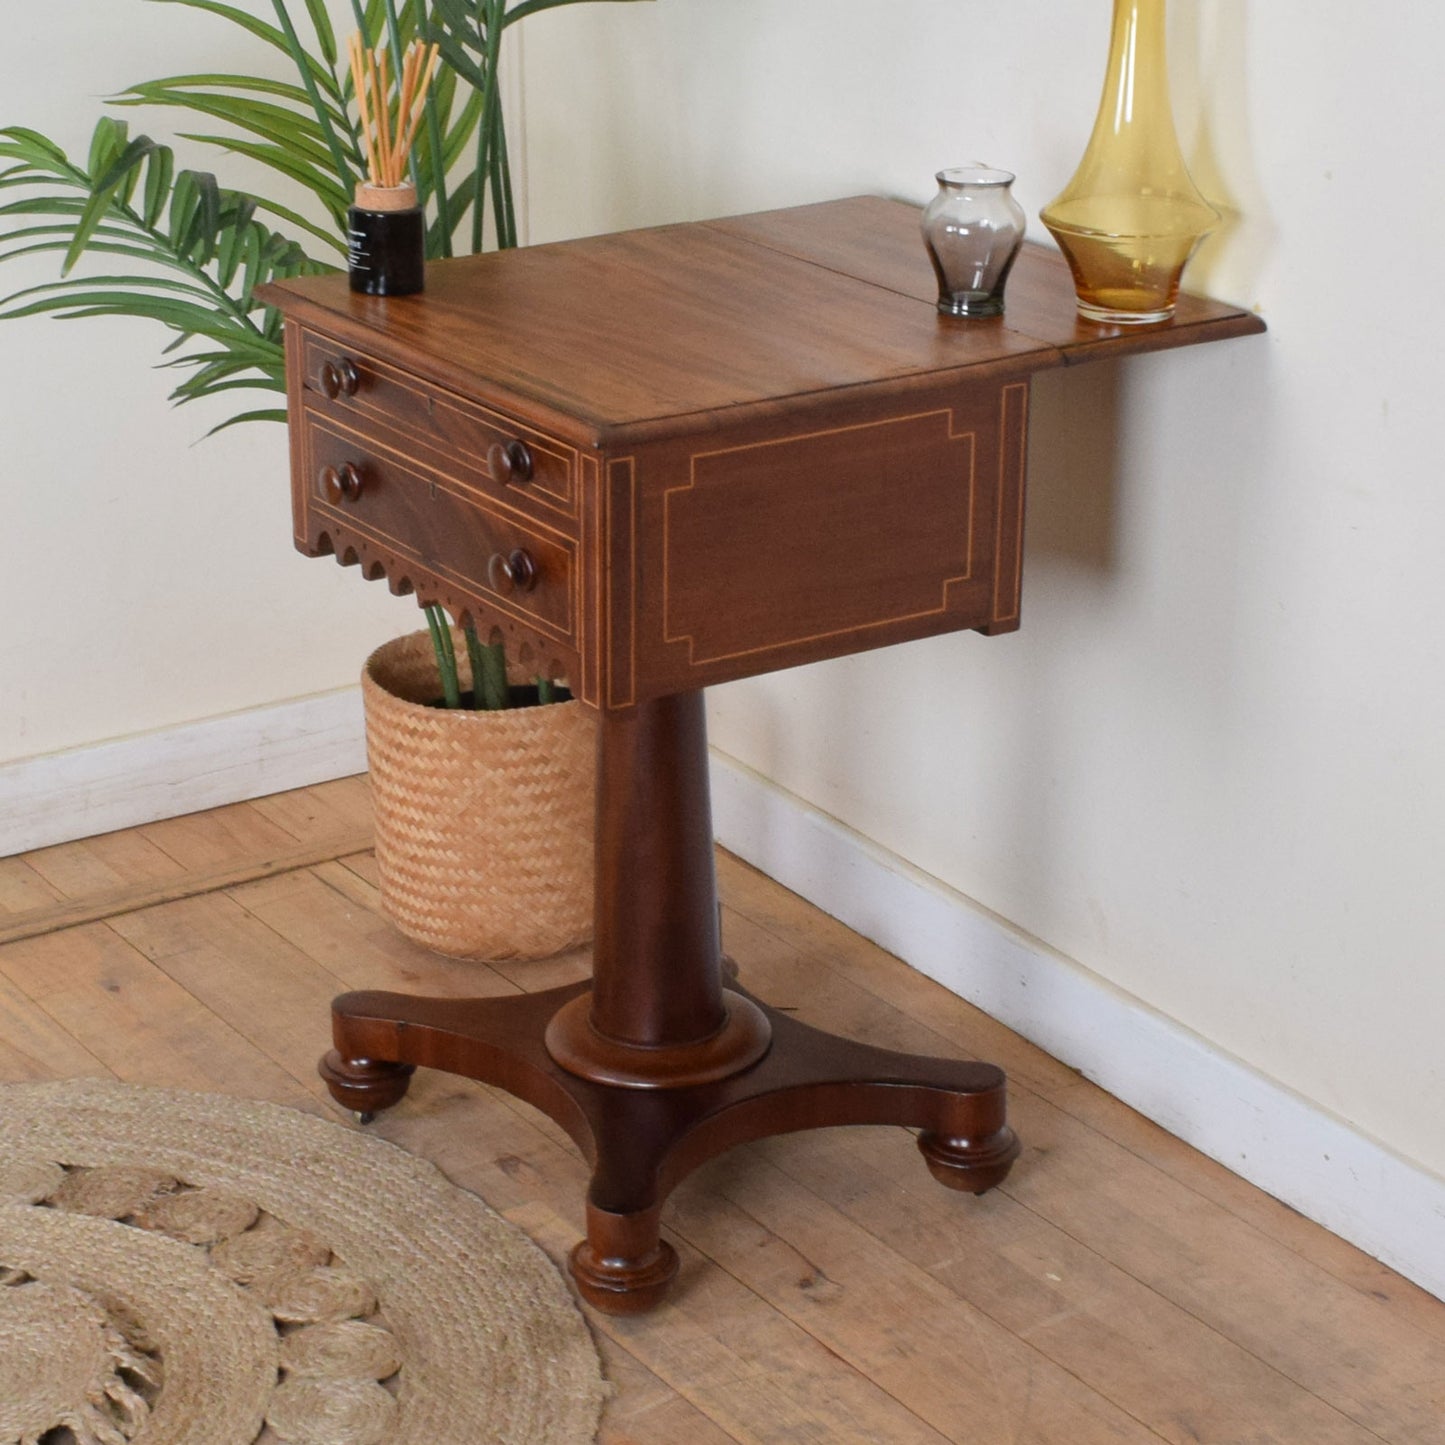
[769,546]
[295,403]
[1013,461]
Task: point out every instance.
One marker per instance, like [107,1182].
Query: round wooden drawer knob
[510,464]
[514,572]
[341,484]
[340,378]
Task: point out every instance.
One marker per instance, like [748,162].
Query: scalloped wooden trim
[529,646]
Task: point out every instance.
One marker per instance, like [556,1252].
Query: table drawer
[440,524]
[503,456]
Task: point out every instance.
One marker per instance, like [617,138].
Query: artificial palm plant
[189,253]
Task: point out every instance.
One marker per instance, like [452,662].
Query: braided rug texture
[189,1269]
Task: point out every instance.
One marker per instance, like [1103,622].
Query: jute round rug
[187,1269]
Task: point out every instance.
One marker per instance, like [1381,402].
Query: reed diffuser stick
[383,109]
[408,84]
[426,69]
[358,78]
[390,106]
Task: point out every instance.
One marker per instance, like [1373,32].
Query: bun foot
[365,1086]
[623,1267]
[970,1166]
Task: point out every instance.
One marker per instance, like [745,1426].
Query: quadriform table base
[660,1064]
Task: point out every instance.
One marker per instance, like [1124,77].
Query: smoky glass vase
[973,229]
[1131,217]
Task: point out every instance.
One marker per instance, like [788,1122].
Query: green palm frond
[320,74]
[194,251]
[198,251]
[286,125]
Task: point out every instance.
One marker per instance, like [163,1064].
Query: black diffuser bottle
[387,241]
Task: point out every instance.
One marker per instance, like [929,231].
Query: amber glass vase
[1131,218]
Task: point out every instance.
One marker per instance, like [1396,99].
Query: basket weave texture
[484,820]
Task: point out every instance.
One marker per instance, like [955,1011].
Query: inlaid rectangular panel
[788,542]
[775,545]
[1009,540]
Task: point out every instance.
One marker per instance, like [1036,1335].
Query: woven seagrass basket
[483,819]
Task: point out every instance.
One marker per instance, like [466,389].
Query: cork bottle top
[386,198]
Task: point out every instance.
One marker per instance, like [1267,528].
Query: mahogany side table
[656,461]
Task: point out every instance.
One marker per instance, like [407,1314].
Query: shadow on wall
[1209,64]
[1075,413]
[1073,465]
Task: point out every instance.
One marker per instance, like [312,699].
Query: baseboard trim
[63,796]
[1296,1151]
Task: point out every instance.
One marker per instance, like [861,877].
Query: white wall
[148,579]
[1210,767]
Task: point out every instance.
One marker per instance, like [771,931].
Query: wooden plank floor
[1119,1287]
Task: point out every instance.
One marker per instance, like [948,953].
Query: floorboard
[1118,1288]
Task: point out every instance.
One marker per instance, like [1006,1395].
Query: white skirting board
[1263,1131]
[1255,1126]
[135,780]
